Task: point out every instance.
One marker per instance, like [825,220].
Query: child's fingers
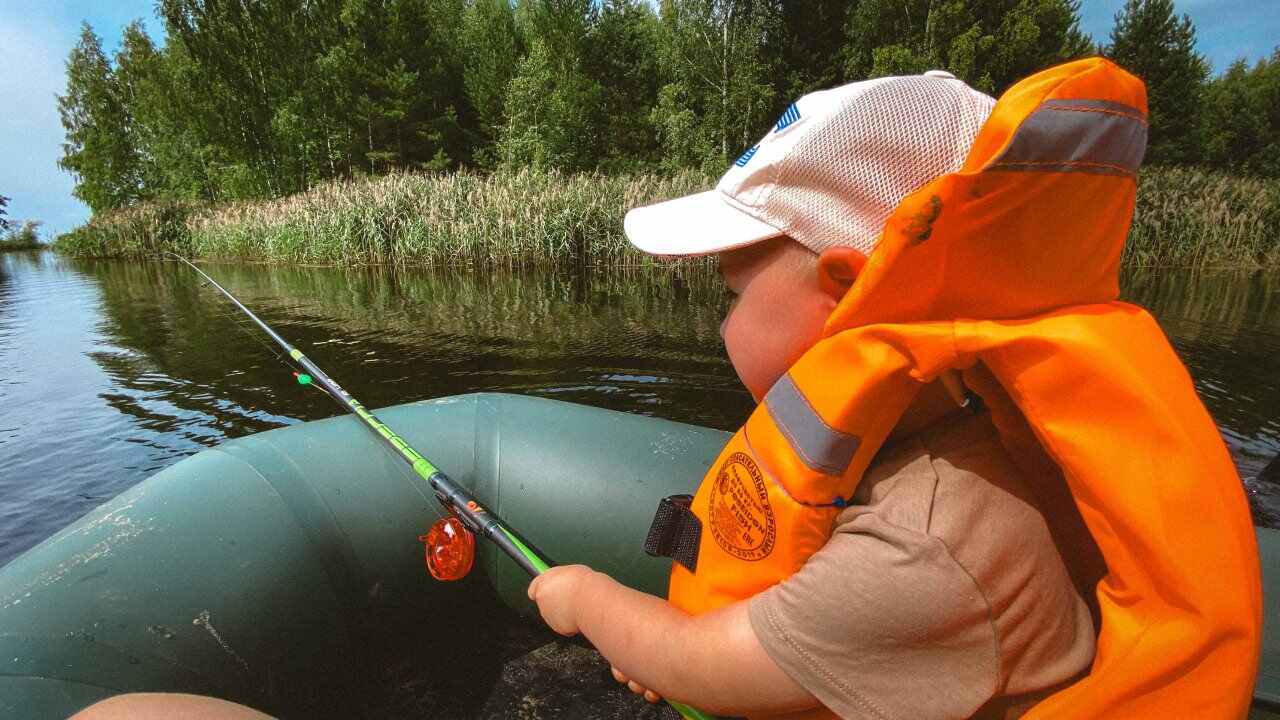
[533,589]
[635,687]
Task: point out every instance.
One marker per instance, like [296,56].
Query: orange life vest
[1008,271]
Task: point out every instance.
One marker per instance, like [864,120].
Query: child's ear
[838,268]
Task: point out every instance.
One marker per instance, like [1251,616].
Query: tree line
[263,98]
[15,235]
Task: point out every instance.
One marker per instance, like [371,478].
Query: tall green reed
[513,219]
[1191,217]
[141,231]
[516,219]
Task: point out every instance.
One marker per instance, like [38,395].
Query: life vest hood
[1008,271]
[998,239]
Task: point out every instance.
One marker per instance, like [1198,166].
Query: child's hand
[555,591]
[635,687]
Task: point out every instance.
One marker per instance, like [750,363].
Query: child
[927,312]
[940,591]
[862,546]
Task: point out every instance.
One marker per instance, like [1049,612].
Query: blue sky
[35,38]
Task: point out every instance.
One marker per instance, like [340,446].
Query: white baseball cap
[829,173]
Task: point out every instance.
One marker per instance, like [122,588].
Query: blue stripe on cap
[746,156]
[789,116]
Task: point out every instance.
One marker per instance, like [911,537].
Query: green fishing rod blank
[460,505]
[453,497]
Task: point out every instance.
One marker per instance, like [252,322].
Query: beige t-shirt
[940,593]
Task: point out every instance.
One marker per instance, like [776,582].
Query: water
[110,371]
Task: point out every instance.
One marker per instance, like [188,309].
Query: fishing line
[238,320]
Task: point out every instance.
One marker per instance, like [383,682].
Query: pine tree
[990,44]
[1241,119]
[1149,41]
[491,54]
[804,47]
[407,79]
[553,110]
[620,54]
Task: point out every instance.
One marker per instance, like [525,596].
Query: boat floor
[513,668]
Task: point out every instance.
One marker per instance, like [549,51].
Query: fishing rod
[450,549]
[447,549]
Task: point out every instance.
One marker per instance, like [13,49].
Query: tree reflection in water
[184,371]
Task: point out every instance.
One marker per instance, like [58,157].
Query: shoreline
[675,265]
[1184,217]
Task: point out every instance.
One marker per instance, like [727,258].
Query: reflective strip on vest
[820,446]
[1068,135]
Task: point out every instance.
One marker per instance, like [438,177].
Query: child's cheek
[756,350]
[735,346]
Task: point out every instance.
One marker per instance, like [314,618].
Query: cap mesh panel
[839,184]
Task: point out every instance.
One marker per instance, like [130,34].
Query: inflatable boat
[271,569]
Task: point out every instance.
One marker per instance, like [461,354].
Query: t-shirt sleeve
[882,622]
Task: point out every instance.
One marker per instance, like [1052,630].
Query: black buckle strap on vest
[675,532]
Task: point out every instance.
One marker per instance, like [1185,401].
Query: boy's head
[795,217]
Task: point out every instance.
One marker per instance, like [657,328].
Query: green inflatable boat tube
[261,570]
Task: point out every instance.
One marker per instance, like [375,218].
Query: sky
[36,37]
[35,40]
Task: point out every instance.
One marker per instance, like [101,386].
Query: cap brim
[699,224]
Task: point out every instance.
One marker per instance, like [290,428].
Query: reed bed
[1185,217]
[7,245]
[1189,217]
[141,231]
[509,219]
[26,237]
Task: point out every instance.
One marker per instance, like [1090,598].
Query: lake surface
[112,370]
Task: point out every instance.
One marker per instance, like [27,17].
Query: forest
[254,100]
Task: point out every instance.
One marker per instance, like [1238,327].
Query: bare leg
[167,706]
